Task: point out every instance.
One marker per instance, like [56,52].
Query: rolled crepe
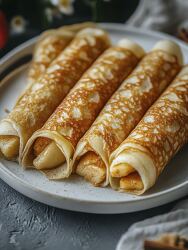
[49,46]
[53,145]
[42,97]
[155,140]
[46,50]
[124,110]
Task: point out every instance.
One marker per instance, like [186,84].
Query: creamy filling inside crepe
[9,140]
[122,169]
[9,146]
[44,149]
[129,166]
[92,168]
[45,160]
[131,182]
[51,151]
[92,165]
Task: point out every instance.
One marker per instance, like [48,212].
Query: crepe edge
[14,130]
[140,159]
[63,144]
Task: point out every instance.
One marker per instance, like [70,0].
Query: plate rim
[118,26]
[137,199]
[12,176]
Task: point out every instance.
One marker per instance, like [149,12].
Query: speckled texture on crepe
[49,46]
[46,50]
[129,103]
[81,106]
[40,100]
[164,128]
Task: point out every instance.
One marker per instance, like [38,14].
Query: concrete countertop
[27,224]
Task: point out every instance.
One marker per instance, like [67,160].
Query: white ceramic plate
[74,193]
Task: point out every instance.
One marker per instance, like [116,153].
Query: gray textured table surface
[27,224]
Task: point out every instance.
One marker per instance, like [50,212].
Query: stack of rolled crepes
[124,110]
[140,159]
[88,108]
[49,46]
[51,148]
[41,98]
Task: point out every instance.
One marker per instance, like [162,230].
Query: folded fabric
[41,98]
[172,223]
[50,147]
[125,109]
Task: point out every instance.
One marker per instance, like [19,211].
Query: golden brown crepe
[39,100]
[50,148]
[155,140]
[124,110]
[46,50]
[49,46]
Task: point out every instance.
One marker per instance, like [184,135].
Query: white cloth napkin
[166,16]
[174,222]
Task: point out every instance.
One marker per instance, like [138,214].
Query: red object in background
[3,30]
